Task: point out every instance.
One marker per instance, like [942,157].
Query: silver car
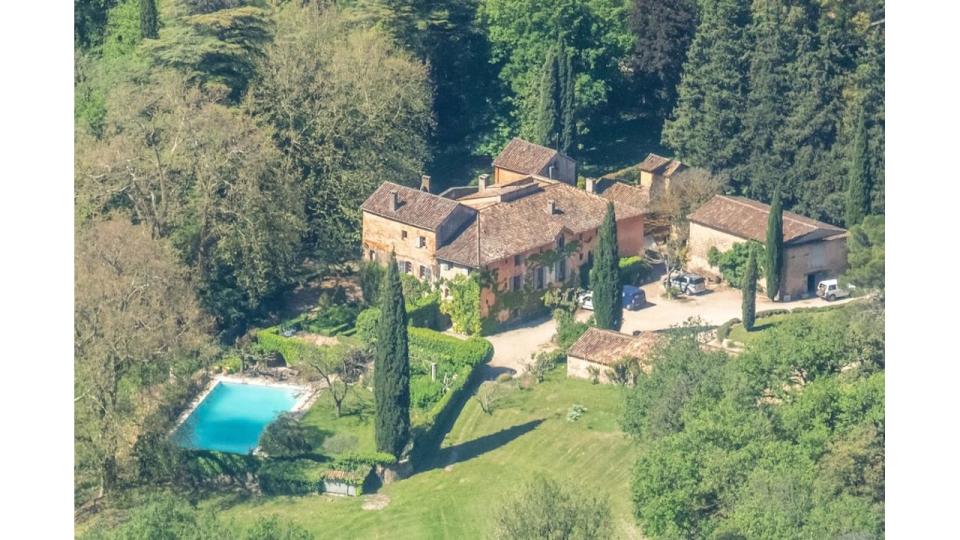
[689,283]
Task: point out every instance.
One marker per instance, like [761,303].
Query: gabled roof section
[416,208]
[663,166]
[625,194]
[517,225]
[525,157]
[607,347]
[747,219]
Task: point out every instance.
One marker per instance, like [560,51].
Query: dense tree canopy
[865,253]
[348,110]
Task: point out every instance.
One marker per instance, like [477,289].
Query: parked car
[633,298]
[830,290]
[688,283]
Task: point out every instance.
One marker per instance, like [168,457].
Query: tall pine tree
[568,126]
[774,245]
[605,276]
[711,99]
[858,175]
[748,290]
[662,30]
[148,19]
[548,119]
[391,375]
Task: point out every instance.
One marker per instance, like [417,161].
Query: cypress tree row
[748,290]
[391,375]
[858,176]
[547,117]
[148,19]
[605,276]
[774,245]
[568,127]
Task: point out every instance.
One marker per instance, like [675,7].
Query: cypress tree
[568,130]
[774,245]
[148,19]
[605,276]
[858,176]
[748,290]
[547,117]
[391,375]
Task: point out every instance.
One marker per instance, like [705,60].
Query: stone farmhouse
[657,172]
[813,250]
[598,350]
[528,232]
[521,158]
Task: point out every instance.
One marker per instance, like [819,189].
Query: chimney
[551,207]
[591,185]
[425,183]
[394,200]
[482,182]
[550,172]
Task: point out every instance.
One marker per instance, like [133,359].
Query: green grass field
[739,333]
[483,458]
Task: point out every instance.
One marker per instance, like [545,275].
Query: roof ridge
[787,214]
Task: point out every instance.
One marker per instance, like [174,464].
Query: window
[403,235]
[539,281]
[424,272]
[421,241]
[562,270]
[372,255]
[516,283]
[405,266]
[444,266]
[560,242]
[517,260]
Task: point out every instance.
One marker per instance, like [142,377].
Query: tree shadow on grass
[481,445]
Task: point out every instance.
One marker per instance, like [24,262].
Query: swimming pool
[233,415]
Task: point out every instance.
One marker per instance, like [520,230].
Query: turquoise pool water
[232,416]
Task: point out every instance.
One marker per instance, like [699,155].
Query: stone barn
[813,250]
[600,349]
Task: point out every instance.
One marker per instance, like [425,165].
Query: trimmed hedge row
[724,329]
[469,352]
[292,350]
[467,355]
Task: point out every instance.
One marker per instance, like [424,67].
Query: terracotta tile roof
[417,208]
[606,346]
[655,164]
[618,192]
[524,157]
[747,219]
[515,226]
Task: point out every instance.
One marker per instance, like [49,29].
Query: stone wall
[380,235]
[578,368]
[826,259]
[700,241]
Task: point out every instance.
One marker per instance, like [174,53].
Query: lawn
[483,458]
[740,334]
[352,432]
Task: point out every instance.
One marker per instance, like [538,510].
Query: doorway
[811,284]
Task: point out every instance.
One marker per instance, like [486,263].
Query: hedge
[292,350]
[424,312]
[469,352]
[207,468]
[633,269]
[467,355]
[294,477]
[724,329]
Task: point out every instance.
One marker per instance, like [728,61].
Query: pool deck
[305,400]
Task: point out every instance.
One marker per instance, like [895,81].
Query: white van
[830,290]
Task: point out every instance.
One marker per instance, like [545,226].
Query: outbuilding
[598,350]
[813,250]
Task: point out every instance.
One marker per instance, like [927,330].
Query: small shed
[600,349]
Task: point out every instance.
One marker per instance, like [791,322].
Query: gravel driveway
[512,349]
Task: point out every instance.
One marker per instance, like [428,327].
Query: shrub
[424,312]
[488,395]
[724,329]
[594,372]
[771,313]
[547,509]
[285,436]
[366,324]
[543,362]
[733,262]
[569,329]
[624,371]
[424,392]
[575,412]
[426,342]
[371,274]
[463,306]
[633,270]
